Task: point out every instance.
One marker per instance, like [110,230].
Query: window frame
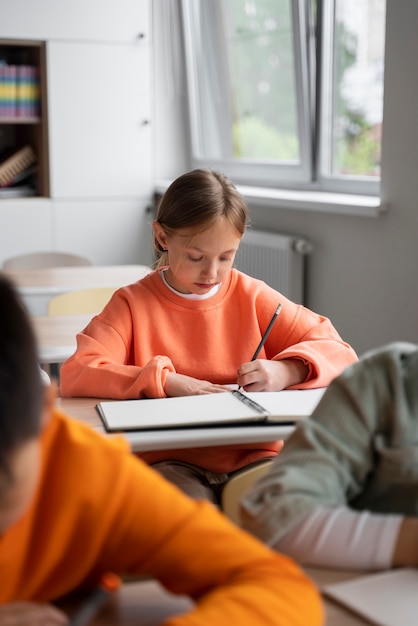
[366,185]
[313,68]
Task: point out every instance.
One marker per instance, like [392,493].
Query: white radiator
[278,259]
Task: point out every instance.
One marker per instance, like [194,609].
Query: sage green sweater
[358,449]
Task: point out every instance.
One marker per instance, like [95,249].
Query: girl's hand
[181,385]
[265,375]
[31,614]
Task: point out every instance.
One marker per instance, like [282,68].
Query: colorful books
[19,91]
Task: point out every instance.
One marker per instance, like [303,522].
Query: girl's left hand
[265,375]
[182,385]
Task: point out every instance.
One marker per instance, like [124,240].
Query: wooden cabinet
[120,230]
[23,112]
[26,225]
[99,120]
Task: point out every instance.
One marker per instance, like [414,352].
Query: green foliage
[358,156]
[358,149]
[263,63]
[253,139]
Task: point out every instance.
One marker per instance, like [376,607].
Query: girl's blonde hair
[194,201]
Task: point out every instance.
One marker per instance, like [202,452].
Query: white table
[56,335]
[36,287]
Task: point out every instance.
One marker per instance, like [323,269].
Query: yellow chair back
[81,301]
[238,485]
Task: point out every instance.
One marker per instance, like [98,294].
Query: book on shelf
[27,91]
[216,409]
[19,91]
[16,166]
[8,86]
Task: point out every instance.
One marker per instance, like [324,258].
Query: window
[287,93]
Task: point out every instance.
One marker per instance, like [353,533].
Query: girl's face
[198,262]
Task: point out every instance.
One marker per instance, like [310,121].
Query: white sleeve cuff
[343,538]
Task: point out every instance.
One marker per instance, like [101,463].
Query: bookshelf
[23,114]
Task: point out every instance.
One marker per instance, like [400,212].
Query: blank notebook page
[385,599]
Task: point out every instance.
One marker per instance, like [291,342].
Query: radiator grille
[278,259]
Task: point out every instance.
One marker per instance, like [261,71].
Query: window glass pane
[264,98]
[241,64]
[359,30]
[254,93]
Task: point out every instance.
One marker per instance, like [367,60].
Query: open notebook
[215,409]
[385,599]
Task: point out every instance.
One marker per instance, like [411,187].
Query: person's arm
[303,350]
[264,375]
[406,548]
[181,385]
[315,341]
[191,548]
[102,365]
[99,368]
[100,509]
[299,336]
[121,354]
[344,538]
[356,448]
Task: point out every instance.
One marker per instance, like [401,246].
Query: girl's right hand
[181,385]
[31,614]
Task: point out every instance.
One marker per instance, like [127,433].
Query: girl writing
[192,325]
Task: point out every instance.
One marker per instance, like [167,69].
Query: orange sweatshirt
[98,508]
[147,330]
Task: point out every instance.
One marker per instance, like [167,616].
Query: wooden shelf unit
[16,132]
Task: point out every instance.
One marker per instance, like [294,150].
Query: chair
[81,301]
[238,485]
[39,260]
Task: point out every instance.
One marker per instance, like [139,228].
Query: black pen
[267,332]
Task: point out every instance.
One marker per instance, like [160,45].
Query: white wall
[363,271]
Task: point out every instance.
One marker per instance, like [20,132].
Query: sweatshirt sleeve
[356,450]
[98,508]
[192,549]
[313,339]
[341,538]
[100,366]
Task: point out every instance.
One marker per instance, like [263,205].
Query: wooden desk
[36,287]
[84,410]
[56,335]
[148,604]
